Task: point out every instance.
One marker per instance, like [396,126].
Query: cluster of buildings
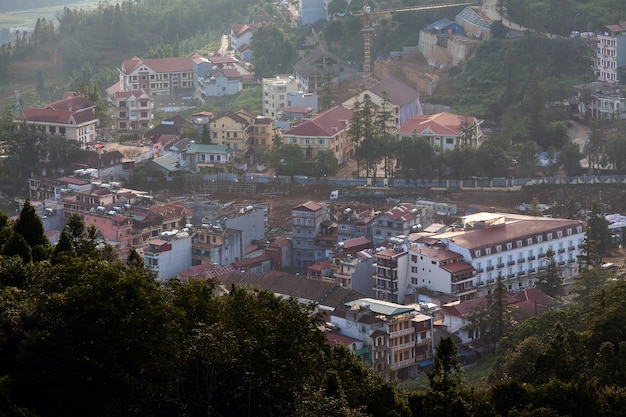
[393,282]
[387,279]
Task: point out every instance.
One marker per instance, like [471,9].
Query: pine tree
[327,90]
[29,225]
[446,376]
[549,281]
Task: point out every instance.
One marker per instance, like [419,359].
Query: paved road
[490,10]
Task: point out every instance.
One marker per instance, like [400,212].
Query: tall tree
[29,225]
[446,375]
[598,230]
[549,280]
[326,92]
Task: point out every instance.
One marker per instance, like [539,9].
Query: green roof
[381,307]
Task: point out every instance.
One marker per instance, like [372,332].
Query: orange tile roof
[439,124]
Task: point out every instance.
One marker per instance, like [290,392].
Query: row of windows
[308,141]
[529,241]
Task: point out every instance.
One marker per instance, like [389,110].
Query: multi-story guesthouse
[275,93]
[445,131]
[609,59]
[132,110]
[325,131]
[73,118]
[395,337]
[307,222]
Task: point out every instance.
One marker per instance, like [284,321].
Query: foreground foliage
[82,333]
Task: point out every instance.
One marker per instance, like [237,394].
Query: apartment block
[307,222]
[395,337]
[610,54]
[275,93]
[169,254]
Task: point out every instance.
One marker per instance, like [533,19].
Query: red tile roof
[465,308]
[457,267]
[134,93]
[320,266]
[240,29]
[326,124]
[71,102]
[309,205]
[231,73]
[439,124]
[217,60]
[402,211]
[360,242]
[339,339]
[73,181]
[510,232]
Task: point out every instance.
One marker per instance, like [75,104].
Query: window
[539,238]
[519,243]
[499,248]
[320,141]
[449,141]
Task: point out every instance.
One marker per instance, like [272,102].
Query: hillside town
[391,279]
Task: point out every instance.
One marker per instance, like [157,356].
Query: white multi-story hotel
[489,245]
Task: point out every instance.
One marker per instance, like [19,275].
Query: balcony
[481,270]
[521,273]
[531,270]
[561,263]
[509,263]
[542,255]
[490,268]
[500,266]
[531,258]
[561,250]
[402,332]
[571,248]
[571,261]
[521,261]
[511,276]
[403,364]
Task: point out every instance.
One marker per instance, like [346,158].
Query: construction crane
[368,29]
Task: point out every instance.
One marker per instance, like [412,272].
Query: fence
[473,183]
